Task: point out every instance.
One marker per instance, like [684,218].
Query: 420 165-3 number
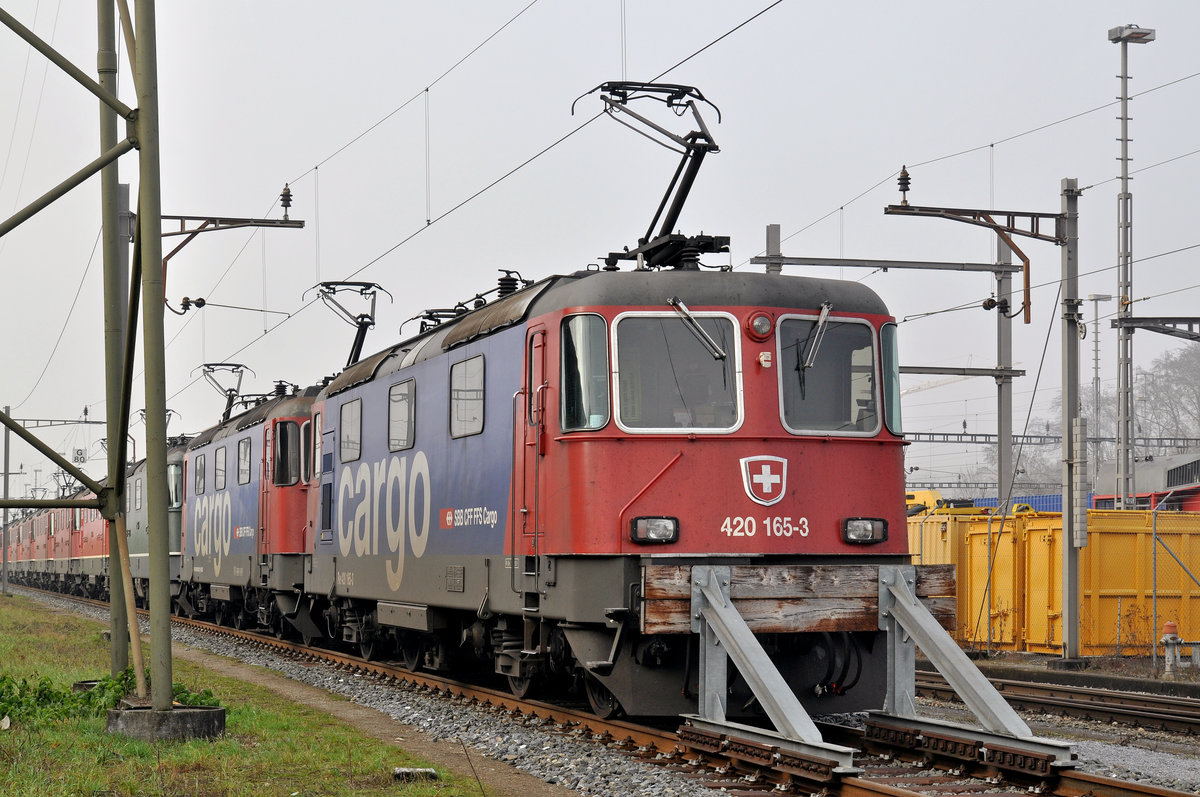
[771,526]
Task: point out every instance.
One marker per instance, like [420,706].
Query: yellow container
[1010,578]
[1041,563]
[994,588]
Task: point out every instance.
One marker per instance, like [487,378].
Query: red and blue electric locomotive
[541,485]
[531,483]
[243,500]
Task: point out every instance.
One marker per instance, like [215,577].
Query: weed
[35,701]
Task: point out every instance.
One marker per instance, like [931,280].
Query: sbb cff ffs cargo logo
[765,478]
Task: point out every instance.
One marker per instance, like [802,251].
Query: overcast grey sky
[820,106]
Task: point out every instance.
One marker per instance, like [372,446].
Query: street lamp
[1124,495]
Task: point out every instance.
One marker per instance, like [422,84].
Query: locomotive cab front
[749,422]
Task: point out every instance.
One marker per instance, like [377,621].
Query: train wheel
[523,687]
[366,648]
[410,653]
[239,618]
[604,704]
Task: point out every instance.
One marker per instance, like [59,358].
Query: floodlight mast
[1125,490]
[664,248]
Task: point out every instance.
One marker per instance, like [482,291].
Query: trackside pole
[116,292]
[150,246]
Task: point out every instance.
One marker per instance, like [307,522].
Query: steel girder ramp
[724,635]
[1005,736]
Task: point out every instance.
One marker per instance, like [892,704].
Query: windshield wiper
[690,320]
[816,336]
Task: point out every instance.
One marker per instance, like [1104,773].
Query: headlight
[759,326]
[654,530]
[864,530]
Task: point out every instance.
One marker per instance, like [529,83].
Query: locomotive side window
[466,397]
[174,485]
[200,475]
[137,494]
[219,469]
[891,378]
[287,453]
[401,413]
[306,451]
[827,375]
[318,463]
[584,373]
[350,434]
[244,460]
[669,379]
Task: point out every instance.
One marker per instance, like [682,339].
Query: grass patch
[270,747]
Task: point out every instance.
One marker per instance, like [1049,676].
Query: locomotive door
[533,443]
[266,484]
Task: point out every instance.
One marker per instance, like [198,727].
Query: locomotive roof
[616,288]
[701,289]
[276,405]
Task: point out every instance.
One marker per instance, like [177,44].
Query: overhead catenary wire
[12,136]
[66,321]
[314,170]
[1005,501]
[473,196]
[430,223]
[37,112]
[975,304]
[992,144]
[418,95]
[496,182]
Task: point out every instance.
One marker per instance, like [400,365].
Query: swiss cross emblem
[765,478]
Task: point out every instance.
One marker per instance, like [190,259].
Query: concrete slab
[180,723]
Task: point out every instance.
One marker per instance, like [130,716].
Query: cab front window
[827,376]
[671,379]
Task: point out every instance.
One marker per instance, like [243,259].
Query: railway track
[1157,712]
[895,759]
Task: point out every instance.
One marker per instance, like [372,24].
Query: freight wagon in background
[1010,578]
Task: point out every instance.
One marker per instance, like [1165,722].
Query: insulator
[285,198]
[904,182]
[281,388]
[508,284]
[689,257]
